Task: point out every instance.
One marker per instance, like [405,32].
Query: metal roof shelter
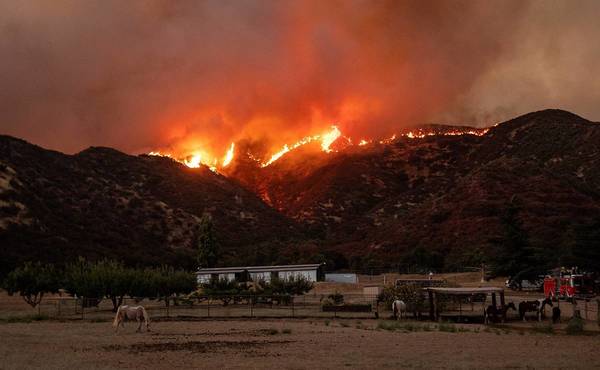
[221,270]
[434,312]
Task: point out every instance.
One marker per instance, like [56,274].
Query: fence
[225,306]
[309,306]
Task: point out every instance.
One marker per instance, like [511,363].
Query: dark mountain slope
[446,193]
[103,203]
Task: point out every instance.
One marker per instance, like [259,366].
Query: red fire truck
[568,285]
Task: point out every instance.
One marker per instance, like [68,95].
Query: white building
[310,272]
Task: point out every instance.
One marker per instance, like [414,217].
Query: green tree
[82,280]
[144,284]
[32,281]
[115,280]
[207,243]
[169,283]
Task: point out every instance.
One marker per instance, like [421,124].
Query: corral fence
[306,306]
[221,306]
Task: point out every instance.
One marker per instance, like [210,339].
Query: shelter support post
[431,306]
[502,307]
[494,300]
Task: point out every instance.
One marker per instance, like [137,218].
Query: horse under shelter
[435,306]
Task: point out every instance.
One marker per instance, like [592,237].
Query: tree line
[95,281]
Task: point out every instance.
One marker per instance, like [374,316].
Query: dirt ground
[289,344]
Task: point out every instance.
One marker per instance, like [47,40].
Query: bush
[25,319]
[448,328]
[293,285]
[32,281]
[389,325]
[336,298]
[225,290]
[575,326]
[543,328]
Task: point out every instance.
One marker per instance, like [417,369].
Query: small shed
[435,292]
[349,278]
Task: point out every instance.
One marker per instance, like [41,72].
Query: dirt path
[283,344]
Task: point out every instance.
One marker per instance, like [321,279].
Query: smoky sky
[175,75]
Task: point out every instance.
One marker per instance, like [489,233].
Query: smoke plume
[159,74]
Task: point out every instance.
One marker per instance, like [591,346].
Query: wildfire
[326,139]
[421,133]
[198,158]
[193,161]
[229,156]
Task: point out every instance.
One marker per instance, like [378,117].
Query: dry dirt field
[290,344]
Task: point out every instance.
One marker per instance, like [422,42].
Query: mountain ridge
[375,204]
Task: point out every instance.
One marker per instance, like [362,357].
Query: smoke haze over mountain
[149,75]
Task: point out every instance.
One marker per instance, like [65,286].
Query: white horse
[399,309]
[126,313]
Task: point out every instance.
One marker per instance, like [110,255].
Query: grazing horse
[126,313]
[398,308]
[536,306]
[492,312]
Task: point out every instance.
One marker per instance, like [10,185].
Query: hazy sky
[144,75]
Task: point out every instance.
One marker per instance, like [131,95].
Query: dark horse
[534,306]
[492,312]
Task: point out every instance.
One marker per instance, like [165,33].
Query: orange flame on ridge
[198,158]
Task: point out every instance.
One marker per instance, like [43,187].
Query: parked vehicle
[535,285]
[568,285]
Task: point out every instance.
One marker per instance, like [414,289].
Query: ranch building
[311,272]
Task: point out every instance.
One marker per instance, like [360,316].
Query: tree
[207,243]
[115,280]
[584,247]
[32,281]
[144,284]
[170,282]
[83,280]
[514,256]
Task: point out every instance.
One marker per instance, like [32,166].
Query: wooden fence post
[598,311]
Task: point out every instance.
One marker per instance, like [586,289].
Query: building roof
[461,291]
[231,270]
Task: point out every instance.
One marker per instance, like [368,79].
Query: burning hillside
[329,141]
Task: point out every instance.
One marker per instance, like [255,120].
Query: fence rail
[224,306]
[240,306]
